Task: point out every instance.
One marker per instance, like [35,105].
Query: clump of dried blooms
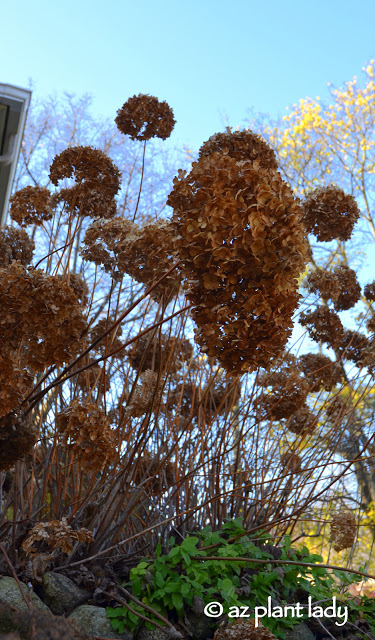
[302,421]
[112,341]
[42,311]
[350,289]
[17,439]
[56,534]
[15,382]
[240,145]
[291,462]
[369,291]
[79,285]
[330,213]
[289,391]
[242,246]
[97,181]
[143,252]
[323,325]
[164,351]
[147,395]
[91,440]
[15,244]
[356,347]
[243,630]
[31,205]
[343,530]
[320,371]
[153,473]
[143,117]
[322,281]
[218,398]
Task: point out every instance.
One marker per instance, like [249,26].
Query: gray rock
[148,634]
[199,625]
[61,594]
[93,620]
[10,594]
[300,632]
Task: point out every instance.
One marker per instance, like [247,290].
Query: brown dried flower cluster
[15,382]
[15,244]
[339,285]
[17,438]
[90,437]
[323,325]
[97,181]
[369,291]
[31,205]
[79,285]
[356,347]
[289,391]
[43,313]
[343,530]
[57,534]
[187,396]
[302,421]
[143,117]
[144,252]
[154,475]
[164,351]
[240,145]
[330,213]
[147,395]
[291,462]
[242,245]
[243,630]
[320,371]
[112,341]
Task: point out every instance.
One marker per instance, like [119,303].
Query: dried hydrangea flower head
[241,145]
[323,325]
[243,630]
[147,395]
[143,117]
[17,439]
[152,474]
[336,409]
[302,421]
[320,371]
[41,310]
[86,433]
[343,530]
[31,205]
[56,534]
[163,351]
[144,252]
[369,291]
[330,213]
[289,392]
[15,382]
[97,181]
[15,244]
[242,245]
[356,347]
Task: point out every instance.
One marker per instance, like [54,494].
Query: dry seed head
[97,180]
[147,466]
[31,205]
[15,244]
[242,245]
[57,534]
[369,291]
[350,289]
[243,630]
[163,351]
[330,213]
[86,433]
[15,383]
[320,371]
[343,530]
[336,409]
[323,325]
[291,462]
[143,117]
[324,282]
[147,395]
[356,347]
[17,439]
[302,421]
[241,145]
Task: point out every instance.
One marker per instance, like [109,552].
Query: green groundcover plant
[171,582]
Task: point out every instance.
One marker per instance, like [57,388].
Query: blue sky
[207,58]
